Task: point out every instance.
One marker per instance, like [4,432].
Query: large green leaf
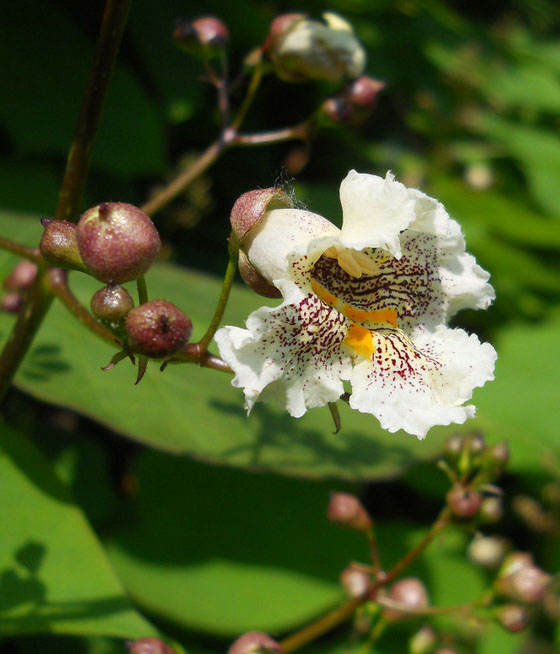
[232,551]
[54,575]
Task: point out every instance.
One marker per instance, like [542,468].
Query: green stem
[222,302]
[250,96]
[77,167]
[23,251]
[81,149]
[142,289]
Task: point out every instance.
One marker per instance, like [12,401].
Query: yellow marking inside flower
[386,316]
[360,340]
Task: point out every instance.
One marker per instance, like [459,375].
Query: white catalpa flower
[367,304]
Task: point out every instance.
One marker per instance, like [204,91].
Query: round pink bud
[279,27]
[515,562]
[254,280]
[206,35]
[355,582]
[59,245]
[347,511]
[149,646]
[513,617]
[463,501]
[117,241]
[12,302]
[255,642]
[363,91]
[22,277]
[411,593]
[528,584]
[157,329]
[250,207]
[111,303]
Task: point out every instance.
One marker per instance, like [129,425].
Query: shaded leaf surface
[54,575]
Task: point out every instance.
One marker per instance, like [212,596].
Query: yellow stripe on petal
[360,340]
[387,316]
[322,293]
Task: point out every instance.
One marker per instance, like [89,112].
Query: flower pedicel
[367,304]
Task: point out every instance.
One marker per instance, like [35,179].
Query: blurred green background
[471,115]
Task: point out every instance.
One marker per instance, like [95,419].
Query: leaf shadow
[43,362]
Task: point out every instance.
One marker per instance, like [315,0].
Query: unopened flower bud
[513,617]
[205,36]
[157,329]
[411,593]
[255,642]
[487,551]
[250,208]
[454,446]
[22,277]
[279,27]
[491,509]
[149,646]
[347,511]
[117,241]
[254,280]
[111,303]
[423,640]
[514,562]
[528,584]
[463,501]
[302,49]
[12,302]
[355,102]
[355,582]
[498,453]
[59,245]
[477,443]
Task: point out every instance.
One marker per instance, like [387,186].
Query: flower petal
[414,386]
[291,354]
[375,211]
[285,236]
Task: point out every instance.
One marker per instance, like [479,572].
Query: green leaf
[54,575]
[538,153]
[232,551]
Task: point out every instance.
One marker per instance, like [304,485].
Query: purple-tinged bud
[250,207]
[12,302]
[491,509]
[513,617]
[279,27]
[117,241]
[338,110]
[254,280]
[363,91]
[487,551]
[59,245]
[204,36]
[157,329]
[410,593]
[423,640]
[255,642]
[22,277]
[463,501]
[355,103]
[515,562]
[302,49]
[528,584]
[347,511]
[111,303]
[355,582]
[149,646]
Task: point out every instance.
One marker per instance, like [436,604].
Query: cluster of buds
[16,285]
[472,467]
[354,103]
